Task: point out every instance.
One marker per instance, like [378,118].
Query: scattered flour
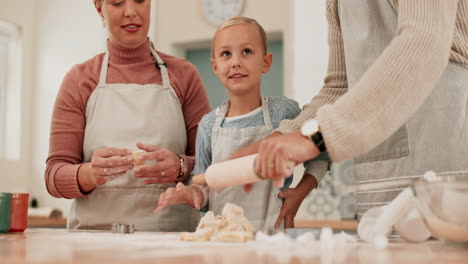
[283,248]
[144,245]
[380,242]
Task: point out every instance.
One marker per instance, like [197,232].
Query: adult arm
[66,140]
[393,88]
[396,85]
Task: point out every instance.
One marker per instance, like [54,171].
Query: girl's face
[127,21]
[239,60]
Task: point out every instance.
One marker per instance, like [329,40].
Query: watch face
[309,127]
[217,11]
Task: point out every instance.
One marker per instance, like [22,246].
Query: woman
[395,98]
[109,103]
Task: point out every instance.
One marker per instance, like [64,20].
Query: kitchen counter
[62,246]
[61,222]
[46,222]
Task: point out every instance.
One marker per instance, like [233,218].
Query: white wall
[15,174]
[310,48]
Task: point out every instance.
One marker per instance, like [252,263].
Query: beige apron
[119,115]
[435,137]
[261,205]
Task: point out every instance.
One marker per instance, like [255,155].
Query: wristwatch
[183,166]
[311,130]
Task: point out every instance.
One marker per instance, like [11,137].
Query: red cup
[19,212]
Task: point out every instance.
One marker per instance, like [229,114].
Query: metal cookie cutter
[123,228]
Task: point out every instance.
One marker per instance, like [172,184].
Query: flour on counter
[283,248]
[144,245]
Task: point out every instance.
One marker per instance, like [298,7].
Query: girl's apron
[261,205]
[434,138]
[119,115]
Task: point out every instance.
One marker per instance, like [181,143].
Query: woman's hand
[181,194]
[165,170]
[106,165]
[251,148]
[278,155]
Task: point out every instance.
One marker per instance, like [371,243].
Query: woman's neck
[241,105]
[121,55]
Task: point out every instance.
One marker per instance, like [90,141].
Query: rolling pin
[233,172]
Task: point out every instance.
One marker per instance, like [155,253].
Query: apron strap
[104,67]
[266,113]
[161,66]
[221,115]
[158,61]
[225,106]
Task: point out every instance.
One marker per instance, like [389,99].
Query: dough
[235,236]
[136,158]
[200,235]
[230,226]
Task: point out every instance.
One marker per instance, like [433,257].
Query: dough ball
[137,161]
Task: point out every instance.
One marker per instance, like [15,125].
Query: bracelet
[183,167]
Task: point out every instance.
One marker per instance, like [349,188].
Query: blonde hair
[238,20]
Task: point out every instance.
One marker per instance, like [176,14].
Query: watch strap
[317,138]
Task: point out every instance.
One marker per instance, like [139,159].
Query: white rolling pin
[233,172]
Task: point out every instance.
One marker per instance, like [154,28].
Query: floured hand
[181,194]
[165,170]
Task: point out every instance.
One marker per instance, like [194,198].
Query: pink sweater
[125,66]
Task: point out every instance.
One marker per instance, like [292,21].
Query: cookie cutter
[123,228]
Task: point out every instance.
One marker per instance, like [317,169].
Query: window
[10,91]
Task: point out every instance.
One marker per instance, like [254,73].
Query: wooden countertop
[62,246]
[334,224]
[46,222]
[41,221]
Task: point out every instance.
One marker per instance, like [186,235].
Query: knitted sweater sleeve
[66,140]
[396,85]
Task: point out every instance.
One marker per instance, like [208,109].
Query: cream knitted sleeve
[396,85]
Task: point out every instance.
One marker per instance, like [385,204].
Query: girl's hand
[165,170]
[293,199]
[181,194]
